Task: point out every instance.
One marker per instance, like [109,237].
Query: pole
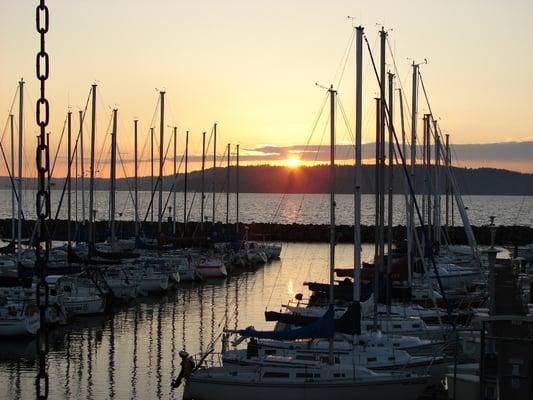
[202,185]
[185,177]
[21,142]
[377,220]
[214,170]
[174,201]
[237,188]
[446,162]
[390,190]
[161,159]
[136,174]
[82,166]
[112,178]
[91,174]
[436,204]
[424,166]
[69,182]
[382,113]
[228,184]
[13,198]
[152,179]
[411,229]
[429,183]
[332,94]
[358,161]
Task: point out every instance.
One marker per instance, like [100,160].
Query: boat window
[396,344]
[276,375]
[397,326]
[304,375]
[270,352]
[338,375]
[371,359]
[307,358]
[392,358]
[416,325]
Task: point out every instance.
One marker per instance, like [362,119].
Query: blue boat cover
[322,328]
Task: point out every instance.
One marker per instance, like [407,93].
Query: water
[279,208]
[133,354]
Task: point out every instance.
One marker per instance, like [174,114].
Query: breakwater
[311,233]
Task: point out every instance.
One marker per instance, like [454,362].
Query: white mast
[237,189]
[13,198]
[214,171]
[174,202]
[82,166]
[136,176]
[91,172]
[411,226]
[69,182]
[21,142]
[202,200]
[389,194]
[112,177]
[161,159]
[332,94]
[436,204]
[358,161]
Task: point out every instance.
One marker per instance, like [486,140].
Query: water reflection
[133,353]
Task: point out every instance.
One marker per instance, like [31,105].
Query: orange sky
[252,65]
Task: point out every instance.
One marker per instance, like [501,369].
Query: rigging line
[10,112]
[150,126]
[58,146]
[413,197]
[128,185]
[310,136]
[156,186]
[345,57]
[391,52]
[56,218]
[107,133]
[174,184]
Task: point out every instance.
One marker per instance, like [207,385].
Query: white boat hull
[212,389]
[212,271]
[84,306]
[27,326]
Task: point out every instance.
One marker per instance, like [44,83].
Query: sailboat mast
[175,174]
[447,183]
[358,161]
[390,189]
[112,179]
[136,174]
[383,77]
[69,182]
[428,174]
[91,173]
[185,177]
[82,166]
[237,189]
[214,170]
[202,200]
[152,179]
[227,184]
[411,216]
[332,94]
[161,159]
[13,198]
[377,220]
[436,204]
[21,142]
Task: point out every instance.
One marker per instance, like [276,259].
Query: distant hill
[275,179]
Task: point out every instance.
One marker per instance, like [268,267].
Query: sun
[292,162]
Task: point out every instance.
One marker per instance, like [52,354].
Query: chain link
[42,66]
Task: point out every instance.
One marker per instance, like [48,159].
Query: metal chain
[42,201]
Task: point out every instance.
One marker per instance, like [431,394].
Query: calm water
[133,354]
[279,208]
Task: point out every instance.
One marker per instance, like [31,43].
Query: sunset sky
[252,65]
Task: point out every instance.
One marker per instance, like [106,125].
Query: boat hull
[212,389]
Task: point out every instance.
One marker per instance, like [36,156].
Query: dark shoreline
[505,235]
